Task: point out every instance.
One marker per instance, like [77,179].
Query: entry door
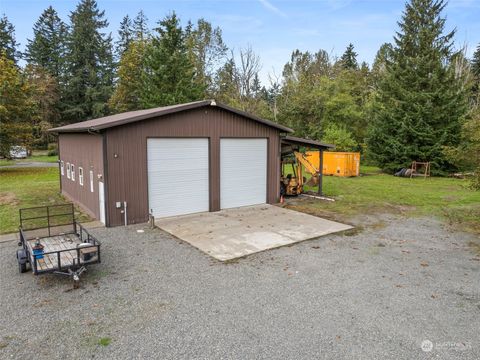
[101,201]
[177,176]
[243,172]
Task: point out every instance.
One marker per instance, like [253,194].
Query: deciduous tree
[206,50]
[126,96]
[16,107]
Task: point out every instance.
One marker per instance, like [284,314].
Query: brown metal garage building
[172,160]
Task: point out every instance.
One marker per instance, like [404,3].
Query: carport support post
[320,173]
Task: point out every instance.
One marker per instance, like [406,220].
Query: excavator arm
[312,170]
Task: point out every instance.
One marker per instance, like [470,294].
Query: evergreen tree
[421,102]
[48,47]
[89,64]
[126,34]
[380,63]
[8,44]
[475,66]
[476,62]
[227,85]
[169,76]
[140,26]
[349,58]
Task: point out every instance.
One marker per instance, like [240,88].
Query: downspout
[59,162]
[105,178]
[125,213]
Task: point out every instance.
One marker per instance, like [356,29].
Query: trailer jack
[75,275]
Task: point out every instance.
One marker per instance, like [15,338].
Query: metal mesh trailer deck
[53,242]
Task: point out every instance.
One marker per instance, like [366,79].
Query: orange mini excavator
[292,182]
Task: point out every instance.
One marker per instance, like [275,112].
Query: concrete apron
[233,233]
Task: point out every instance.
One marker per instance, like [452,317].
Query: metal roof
[138,115]
[305,142]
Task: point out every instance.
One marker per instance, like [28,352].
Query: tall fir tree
[169,75]
[126,35]
[8,44]
[421,102]
[140,26]
[89,64]
[475,66]
[227,84]
[476,62]
[48,47]
[349,58]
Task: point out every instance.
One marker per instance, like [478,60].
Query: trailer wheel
[22,267]
[22,261]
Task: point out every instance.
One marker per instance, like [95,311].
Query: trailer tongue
[53,242]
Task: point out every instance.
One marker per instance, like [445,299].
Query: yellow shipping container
[344,164]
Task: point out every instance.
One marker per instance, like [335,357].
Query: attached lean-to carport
[291,144]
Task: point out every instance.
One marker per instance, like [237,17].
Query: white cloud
[269,6]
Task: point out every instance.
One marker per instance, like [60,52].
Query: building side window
[91,181]
[72,171]
[62,170]
[68,170]
[80,175]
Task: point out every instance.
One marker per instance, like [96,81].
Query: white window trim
[68,170]
[62,170]
[91,181]
[72,171]
[80,175]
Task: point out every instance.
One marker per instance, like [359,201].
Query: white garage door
[243,172]
[177,176]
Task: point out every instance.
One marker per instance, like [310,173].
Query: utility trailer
[53,242]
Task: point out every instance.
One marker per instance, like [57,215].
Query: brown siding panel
[82,150]
[126,155]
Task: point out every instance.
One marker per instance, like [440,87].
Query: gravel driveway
[375,294]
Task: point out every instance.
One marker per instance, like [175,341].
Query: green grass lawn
[27,187]
[374,192]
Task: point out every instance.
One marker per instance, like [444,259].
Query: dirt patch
[399,209]
[475,246]
[353,232]
[315,211]
[8,198]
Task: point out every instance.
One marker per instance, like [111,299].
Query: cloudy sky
[272,27]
